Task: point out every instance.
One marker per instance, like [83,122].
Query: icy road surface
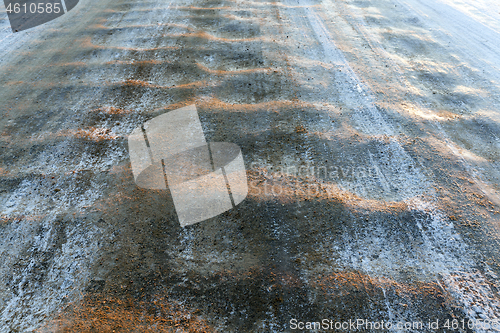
[370,132]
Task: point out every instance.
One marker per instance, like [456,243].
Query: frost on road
[370,133]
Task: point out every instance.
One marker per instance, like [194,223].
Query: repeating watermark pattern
[308,178]
[205,179]
[26,14]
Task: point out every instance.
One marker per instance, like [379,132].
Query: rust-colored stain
[111,110]
[108,314]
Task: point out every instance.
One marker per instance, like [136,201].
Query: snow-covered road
[370,132]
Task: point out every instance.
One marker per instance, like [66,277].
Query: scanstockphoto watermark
[350,325]
[318,171]
[204,178]
[410,326]
[277,177]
